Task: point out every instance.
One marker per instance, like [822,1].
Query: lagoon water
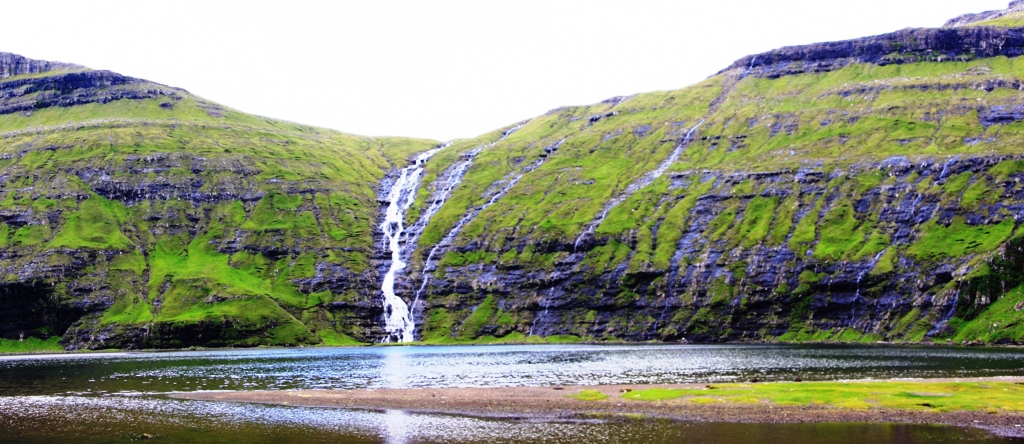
[120,396]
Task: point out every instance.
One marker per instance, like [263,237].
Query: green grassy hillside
[157,218]
[844,205]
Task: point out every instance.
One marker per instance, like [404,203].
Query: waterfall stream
[397,322]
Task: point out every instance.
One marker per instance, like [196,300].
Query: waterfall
[397,322]
[630,190]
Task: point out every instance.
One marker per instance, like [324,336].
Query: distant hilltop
[967,19]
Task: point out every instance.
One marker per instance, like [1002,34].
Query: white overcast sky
[436,69]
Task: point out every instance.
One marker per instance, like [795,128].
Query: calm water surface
[119,396]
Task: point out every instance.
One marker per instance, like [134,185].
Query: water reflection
[47,419]
[380,367]
[395,369]
[396,426]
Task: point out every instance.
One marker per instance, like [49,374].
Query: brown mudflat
[553,403]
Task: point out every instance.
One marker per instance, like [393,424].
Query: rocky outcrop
[15,65]
[73,89]
[967,19]
[906,46]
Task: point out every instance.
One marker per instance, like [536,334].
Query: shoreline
[555,403]
[54,353]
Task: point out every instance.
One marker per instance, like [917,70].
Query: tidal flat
[518,394]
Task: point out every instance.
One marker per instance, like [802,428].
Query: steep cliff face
[850,191]
[136,215]
[13,65]
[908,46]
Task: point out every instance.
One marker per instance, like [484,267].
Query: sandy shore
[555,403]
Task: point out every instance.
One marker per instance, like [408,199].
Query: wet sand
[556,403]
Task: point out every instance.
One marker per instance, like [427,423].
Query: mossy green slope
[991,397]
[890,184]
[155,218]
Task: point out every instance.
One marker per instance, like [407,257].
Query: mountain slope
[850,191]
[134,214]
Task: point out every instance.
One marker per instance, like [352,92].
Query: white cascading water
[397,321]
[868,269]
[630,190]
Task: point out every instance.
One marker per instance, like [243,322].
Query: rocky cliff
[850,191]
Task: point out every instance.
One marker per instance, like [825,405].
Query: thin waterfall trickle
[547,305]
[449,237]
[871,266]
[949,315]
[749,68]
[397,322]
[945,167]
[451,178]
[630,190]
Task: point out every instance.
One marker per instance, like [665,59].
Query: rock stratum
[858,191]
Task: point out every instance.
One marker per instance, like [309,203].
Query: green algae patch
[839,233]
[930,396]
[31,345]
[562,339]
[804,234]
[659,394]
[1012,20]
[483,312]
[757,219]
[588,395]
[332,338]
